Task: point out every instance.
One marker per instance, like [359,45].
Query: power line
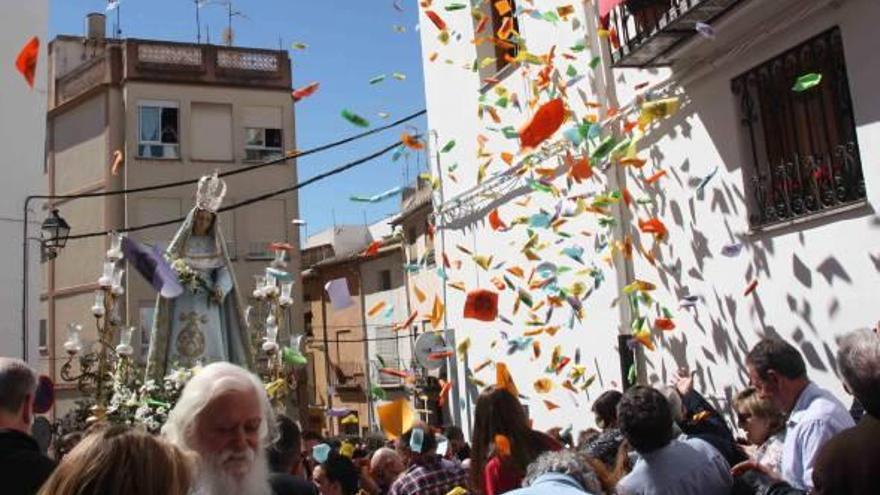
[168,185]
[249,201]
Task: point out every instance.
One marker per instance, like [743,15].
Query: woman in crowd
[764,425]
[503,443]
[119,459]
[605,445]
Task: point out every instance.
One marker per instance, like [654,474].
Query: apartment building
[176,111]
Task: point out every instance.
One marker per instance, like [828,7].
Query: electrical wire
[168,185]
[248,201]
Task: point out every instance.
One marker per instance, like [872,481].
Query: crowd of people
[222,437]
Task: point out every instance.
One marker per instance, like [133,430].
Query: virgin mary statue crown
[210,193]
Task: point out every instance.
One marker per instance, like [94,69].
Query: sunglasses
[743,419]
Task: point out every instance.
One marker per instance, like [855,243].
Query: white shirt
[684,467]
[815,418]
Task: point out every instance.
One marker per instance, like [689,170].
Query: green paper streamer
[355,118]
[806,82]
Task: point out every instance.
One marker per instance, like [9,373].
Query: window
[802,157]
[308,324]
[44,349]
[260,251]
[385,280]
[262,144]
[158,130]
[386,347]
[210,132]
[496,38]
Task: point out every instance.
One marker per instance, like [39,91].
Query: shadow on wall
[719,316]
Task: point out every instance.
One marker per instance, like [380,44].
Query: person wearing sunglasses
[764,426]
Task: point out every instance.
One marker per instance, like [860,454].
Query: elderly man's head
[858,356]
[224,415]
[564,462]
[386,465]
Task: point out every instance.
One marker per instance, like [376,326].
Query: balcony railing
[649,31]
[348,376]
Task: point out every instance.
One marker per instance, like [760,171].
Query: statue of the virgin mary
[205,323]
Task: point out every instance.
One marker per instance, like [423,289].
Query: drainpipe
[326,357]
[359,274]
[624,269]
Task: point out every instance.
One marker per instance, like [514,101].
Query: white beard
[249,477]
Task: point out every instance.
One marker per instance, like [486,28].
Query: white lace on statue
[210,193]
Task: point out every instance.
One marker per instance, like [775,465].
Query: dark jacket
[850,462]
[288,484]
[23,468]
[703,421]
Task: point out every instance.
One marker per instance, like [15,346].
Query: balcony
[651,31]
[348,376]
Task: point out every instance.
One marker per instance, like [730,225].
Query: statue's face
[202,222]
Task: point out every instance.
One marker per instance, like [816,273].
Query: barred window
[803,156]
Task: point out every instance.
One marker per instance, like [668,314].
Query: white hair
[212,479]
[381,457]
[858,355]
[567,462]
[207,384]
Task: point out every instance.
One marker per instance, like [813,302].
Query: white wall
[452,100]
[816,280]
[22,131]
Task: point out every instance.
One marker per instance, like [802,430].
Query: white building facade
[22,132]
[788,194]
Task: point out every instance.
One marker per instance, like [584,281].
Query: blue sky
[349,42]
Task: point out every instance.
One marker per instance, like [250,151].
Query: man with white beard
[225,417]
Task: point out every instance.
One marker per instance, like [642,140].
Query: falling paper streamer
[543,385]
[806,82]
[305,91]
[400,76]
[152,265]
[705,30]
[355,119]
[26,61]
[732,250]
[751,287]
[374,310]
[378,197]
[543,124]
[411,142]
[701,187]
[113,5]
[297,45]
[337,290]
[377,79]
[396,418]
[504,380]
[321,452]
[439,23]
[437,312]
[482,305]
[117,162]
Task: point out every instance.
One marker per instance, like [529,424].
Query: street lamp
[55,231]
[53,236]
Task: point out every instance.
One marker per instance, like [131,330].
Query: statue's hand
[217,296]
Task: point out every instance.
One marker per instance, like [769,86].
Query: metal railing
[803,152]
[346,375]
[647,31]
